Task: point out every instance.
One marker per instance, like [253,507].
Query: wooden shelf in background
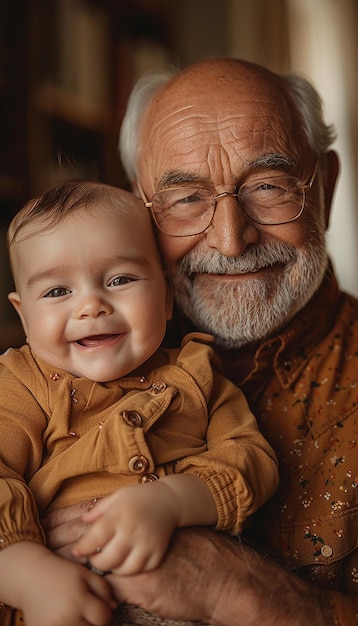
[55,101]
[9,186]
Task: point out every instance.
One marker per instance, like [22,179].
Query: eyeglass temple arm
[311,181]
[142,195]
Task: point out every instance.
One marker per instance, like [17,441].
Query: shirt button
[138,464]
[157,388]
[326,551]
[132,418]
[148,478]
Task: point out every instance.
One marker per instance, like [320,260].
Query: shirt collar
[288,352]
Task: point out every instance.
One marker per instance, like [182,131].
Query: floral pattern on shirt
[307,407]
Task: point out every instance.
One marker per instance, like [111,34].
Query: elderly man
[234,163]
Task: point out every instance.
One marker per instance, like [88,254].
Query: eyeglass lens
[188,211]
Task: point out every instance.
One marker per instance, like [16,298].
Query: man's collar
[290,349]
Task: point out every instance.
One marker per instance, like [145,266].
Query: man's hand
[64,527]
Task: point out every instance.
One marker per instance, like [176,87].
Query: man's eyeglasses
[270,201]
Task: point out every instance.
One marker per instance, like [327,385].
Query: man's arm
[217,580]
[210,577]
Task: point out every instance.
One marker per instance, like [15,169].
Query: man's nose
[92,305]
[231,231]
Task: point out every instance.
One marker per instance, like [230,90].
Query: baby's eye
[57,292]
[120,280]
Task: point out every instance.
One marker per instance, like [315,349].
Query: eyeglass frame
[304,186]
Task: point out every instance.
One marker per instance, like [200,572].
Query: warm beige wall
[258,31]
[323,35]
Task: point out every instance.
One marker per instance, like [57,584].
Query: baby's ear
[169,300]
[15,300]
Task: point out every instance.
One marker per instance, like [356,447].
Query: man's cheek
[175,248]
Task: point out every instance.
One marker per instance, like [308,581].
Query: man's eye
[194,197]
[120,280]
[57,292]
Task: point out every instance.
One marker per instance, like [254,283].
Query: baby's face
[91,293]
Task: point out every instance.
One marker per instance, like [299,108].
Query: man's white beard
[245,311]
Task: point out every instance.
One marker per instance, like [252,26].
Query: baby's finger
[92,542]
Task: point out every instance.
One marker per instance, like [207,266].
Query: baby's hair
[56,203]
[50,209]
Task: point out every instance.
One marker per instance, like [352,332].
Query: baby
[93,408]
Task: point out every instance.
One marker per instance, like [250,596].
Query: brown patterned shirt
[303,390]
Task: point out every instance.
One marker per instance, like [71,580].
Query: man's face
[238,280]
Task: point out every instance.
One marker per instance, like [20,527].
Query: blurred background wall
[67,66]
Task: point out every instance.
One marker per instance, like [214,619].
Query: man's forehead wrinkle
[180,131]
[207,107]
[194,120]
[168,115]
[224,150]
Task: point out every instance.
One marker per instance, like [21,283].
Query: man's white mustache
[252,260]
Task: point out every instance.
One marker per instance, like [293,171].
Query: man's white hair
[138,101]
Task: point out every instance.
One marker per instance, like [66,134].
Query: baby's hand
[51,591]
[130,529]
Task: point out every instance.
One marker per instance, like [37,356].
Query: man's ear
[169,300]
[15,300]
[331,174]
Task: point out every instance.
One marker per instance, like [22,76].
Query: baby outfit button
[157,388]
[148,478]
[138,464]
[326,551]
[132,418]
